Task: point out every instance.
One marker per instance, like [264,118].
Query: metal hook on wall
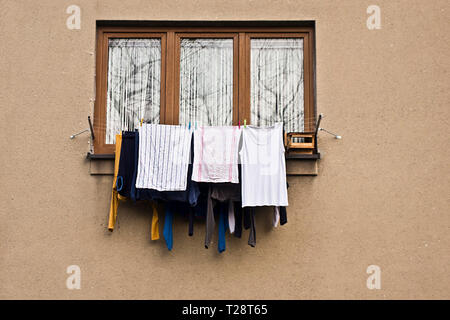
[318,128]
[91,129]
[331,133]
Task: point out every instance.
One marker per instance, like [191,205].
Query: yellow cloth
[115,197]
[155,227]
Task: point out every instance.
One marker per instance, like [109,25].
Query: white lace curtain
[277,83]
[206,81]
[134,80]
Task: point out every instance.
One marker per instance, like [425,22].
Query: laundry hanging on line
[163,157]
[263,167]
[179,174]
[216,154]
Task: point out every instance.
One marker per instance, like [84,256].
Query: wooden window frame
[102,83]
[170,68]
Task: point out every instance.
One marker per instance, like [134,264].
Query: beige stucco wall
[381,196]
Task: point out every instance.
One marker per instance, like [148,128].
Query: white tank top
[263,167]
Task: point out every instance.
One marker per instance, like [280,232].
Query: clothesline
[306,121]
[198,172]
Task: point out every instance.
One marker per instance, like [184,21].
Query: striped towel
[216,154]
[163,157]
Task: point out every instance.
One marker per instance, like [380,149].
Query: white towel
[216,154]
[163,157]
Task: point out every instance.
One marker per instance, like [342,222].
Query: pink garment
[216,154]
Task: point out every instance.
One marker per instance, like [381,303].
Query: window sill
[103,164]
[315,156]
[92,156]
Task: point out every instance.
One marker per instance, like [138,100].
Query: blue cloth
[221,246]
[127,166]
[167,232]
[190,195]
[202,202]
[133,191]
[283,216]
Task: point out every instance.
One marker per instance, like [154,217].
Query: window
[134,84]
[276,82]
[207,76]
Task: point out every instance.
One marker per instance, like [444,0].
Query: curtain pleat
[276,82]
[206,81]
[134,82]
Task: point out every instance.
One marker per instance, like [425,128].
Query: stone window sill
[300,165]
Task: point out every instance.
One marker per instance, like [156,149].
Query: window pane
[134,79]
[277,83]
[206,81]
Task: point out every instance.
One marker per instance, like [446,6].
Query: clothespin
[189,125]
[195,125]
[245,123]
[142,120]
[239,124]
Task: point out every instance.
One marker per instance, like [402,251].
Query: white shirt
[263,167]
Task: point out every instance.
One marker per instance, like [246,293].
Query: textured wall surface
[381,195]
